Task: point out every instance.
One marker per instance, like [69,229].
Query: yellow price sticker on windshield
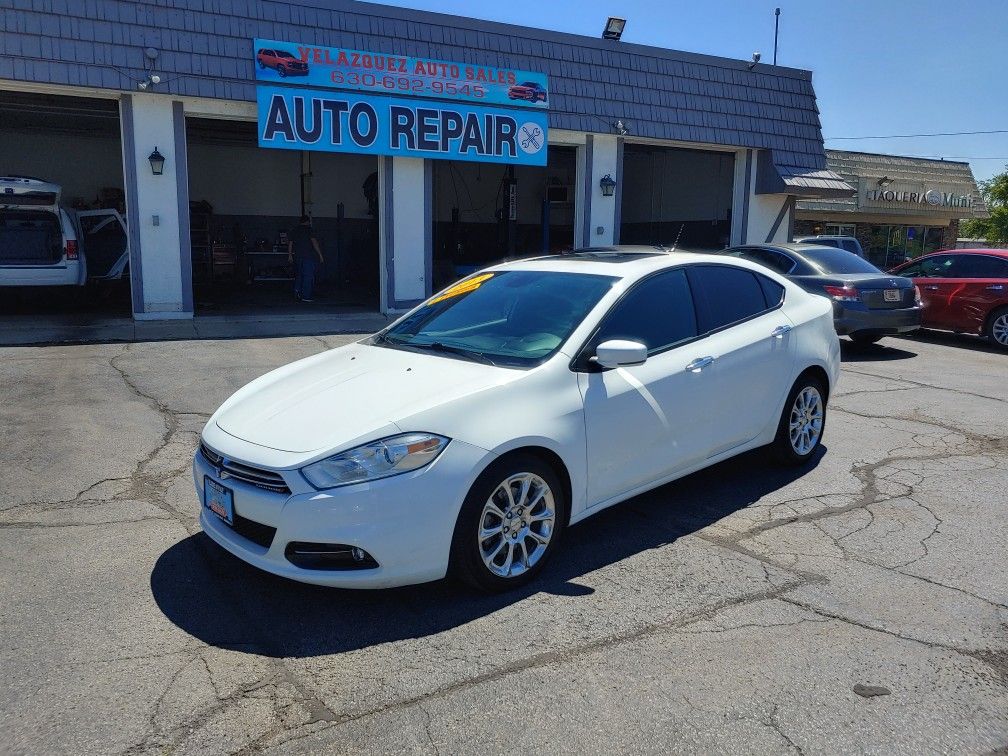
[462,287]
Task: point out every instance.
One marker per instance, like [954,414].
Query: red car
[529,90]
[284,62]
[963,290]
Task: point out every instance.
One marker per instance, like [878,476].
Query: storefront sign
[305,119]
[933,198]
[380,73]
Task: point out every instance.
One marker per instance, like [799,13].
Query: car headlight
[376,460]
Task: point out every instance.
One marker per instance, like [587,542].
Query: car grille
[256,532]
[255,476]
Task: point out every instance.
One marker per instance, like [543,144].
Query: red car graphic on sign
[281,60]
[530,90]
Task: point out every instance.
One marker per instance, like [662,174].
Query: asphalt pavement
[857,605]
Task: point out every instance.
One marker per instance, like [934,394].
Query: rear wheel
[509,525]
[802,422]
[997,328]
[864,338]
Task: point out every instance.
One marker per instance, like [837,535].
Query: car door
[751,348]
[977,285]
[930,275]
[103,237]
[646,421]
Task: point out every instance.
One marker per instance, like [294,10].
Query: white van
[38,240]
[41,244]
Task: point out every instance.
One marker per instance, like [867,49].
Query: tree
[995,228]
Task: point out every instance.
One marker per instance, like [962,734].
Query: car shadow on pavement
[851,352]
[225,602]
[955,340]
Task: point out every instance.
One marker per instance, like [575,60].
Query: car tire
[500,542]
[282,71]
[865,338]
[802,422]
[996,329]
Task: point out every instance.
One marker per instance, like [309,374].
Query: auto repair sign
[390,74]
[310,119]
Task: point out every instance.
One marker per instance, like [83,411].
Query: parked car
[867,303]
[963,290]
[465,437]
[843,242]
[38,240]
[285,63]
[529,90]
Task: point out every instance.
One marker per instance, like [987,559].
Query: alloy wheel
[806,421]
[999,329]
[516,525]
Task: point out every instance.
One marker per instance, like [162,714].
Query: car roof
[619,261]
[793,248]
[971,251]
[825,236]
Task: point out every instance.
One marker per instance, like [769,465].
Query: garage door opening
[63,240]
[486,212]
[674,196]
[245,201]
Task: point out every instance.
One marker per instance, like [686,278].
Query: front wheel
[802,422]
[282,71]
[997,328]
[509,525]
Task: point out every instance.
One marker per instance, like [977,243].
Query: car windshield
[530,84]
[515,318]
[835,260]
[284,54]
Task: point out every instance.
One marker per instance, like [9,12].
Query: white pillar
[603,157]
[158,263]
[405,243]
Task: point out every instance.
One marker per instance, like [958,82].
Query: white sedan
[467,436]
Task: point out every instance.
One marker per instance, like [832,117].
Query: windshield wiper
[472,354]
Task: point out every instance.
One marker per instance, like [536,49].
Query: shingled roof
[854,167]
[205,50]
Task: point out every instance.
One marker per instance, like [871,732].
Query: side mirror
[618,353]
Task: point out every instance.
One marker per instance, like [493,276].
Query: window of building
[839,229]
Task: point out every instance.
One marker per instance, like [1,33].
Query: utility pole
[776,28]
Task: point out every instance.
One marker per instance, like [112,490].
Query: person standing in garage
[303,250]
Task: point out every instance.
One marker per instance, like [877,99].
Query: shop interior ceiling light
[614,28]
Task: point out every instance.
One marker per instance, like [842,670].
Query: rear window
[30,237]
[834,260]
[28,199]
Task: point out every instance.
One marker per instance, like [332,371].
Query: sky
[880,67]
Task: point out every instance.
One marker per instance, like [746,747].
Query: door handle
[931,288]
[699,364]
[995,287]
[780,331]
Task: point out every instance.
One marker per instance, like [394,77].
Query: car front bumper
[848,320]
[405,522]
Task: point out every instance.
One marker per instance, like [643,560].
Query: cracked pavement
[857,605]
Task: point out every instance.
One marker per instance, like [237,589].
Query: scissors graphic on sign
[531,138]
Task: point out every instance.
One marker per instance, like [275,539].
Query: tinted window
[979,266]
[658,313]
[768,257]
[773,292]
[834,260]
[850,246]
[725,295]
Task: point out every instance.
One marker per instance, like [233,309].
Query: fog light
[358,554]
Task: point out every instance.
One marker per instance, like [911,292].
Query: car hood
[349,395]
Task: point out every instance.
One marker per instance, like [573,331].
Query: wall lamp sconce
[157,161]
[614,28]
[149,82]
[885,181]
[608,185]
[620,128]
